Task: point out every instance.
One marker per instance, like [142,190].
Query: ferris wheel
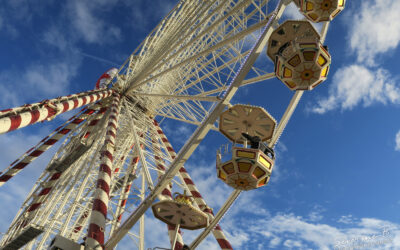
[115,163]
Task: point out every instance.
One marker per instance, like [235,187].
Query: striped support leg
[40,198]
[166,194]
[217,231]
[122,159]
[81,221]
[92,124]
[97,221]
[126,191]
[49,109]
[45,144]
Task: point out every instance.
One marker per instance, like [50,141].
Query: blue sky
[336,175]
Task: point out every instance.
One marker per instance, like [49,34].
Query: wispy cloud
[292,12]
[55,37]
[38,81]
[294,231]
[316,214]
[346,219]
[397,139]
[100,59]
[356,84]
[51,79]
[250,226]
[375,29]
[85,18]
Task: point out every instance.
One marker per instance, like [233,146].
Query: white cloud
[52,79]
[177,132]
[275,242]
[37,81]
[354,85]
[13,14]
[374,29]
[85,23]
[88,24]
[54,36]
[397,148]
[315,216]
[293,244]
[215,191]
[295,232]
[257,227]
[292,12]
[346,219]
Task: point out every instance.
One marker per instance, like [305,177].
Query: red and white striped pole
[40,198]
[97,221]
[166,195]
[82,219]
[126,191]
[85,214]
[217,231]
[81,222]
[48,109]
[127,188]
[92,124]
[45,144]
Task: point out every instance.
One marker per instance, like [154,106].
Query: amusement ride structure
[115,163]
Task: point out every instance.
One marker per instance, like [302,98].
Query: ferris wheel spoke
[197,123]
[167,41]
[258,79]
[181,97]
[286,117]
[179,183]
[215,70]
[170,104]
[222,19]
[324,31]
[216,45]
[219,45]
[134,238]
[218,90]
[199,26]
[141,155]
[125,190]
